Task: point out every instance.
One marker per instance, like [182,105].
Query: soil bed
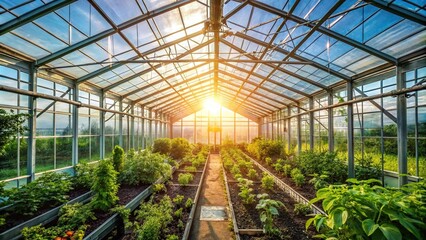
[14,219]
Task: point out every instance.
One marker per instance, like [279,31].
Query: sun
[211,105]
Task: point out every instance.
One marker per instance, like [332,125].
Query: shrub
[366,169]
[267,182]
[185,178]
[262,148]
[162,146]
[180,147]
[155,218]
[84,175]
[286,169]
[294,172]
[311,162]
[299,179]
[75,215]
[105,186]
[246,190]
[252,174]
[145,168]
[302,209]
[277,166]
[319,181]
[118,158]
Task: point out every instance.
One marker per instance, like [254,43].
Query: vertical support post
[150,126]
[299,131]
[208,128]
[170,128]
[195,128]
[102,126]
[330,123]
[120,122]
[350,110]
[311,124]
[259,127]
[401,107]
[75,127]
[132,127]
[220,121]
[155,125]
[32,125]
[143,127]
[289,130]
[235,128]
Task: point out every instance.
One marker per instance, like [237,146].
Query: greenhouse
[212,119]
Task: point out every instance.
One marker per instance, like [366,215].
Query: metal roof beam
[325,31]
[33,15]
[112,31]
[397,10]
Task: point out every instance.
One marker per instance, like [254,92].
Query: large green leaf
[309,222]
[369,226]
[390,231]
[410,227]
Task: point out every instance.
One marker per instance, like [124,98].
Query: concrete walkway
[212,194]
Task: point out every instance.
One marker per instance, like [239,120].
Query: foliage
[172,237]
[252,174]
[295,171]
[365,210]
[299,179]
[246,190]
[319,181]
[105,186]
[118,158]
[178,213]
[185,178]
[235,170]
[50,189]
[178,200]
[180,147]
[366,169]
[84,175]
[311,162]
[10,125]
[144,168]
[267,182]
[160,187]
[124,214]
[261,148]
[189,202]
[268,160]
[302,209]
[162,146]
[190,169]
[286,169]
[268,209]
[57,232]
[75,215]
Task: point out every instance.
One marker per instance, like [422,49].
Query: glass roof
[168,56]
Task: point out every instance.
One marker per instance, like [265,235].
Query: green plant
[252,174]
[268,160]
[75,215]
[319,181]
[118,158]
[56,232]
[159,187]
[178,213]
[10,125]
[50,189]
[295,172]
[302,209]
[366,168]
[365,210]
[178,200]
[267,182]
[180,147]
[286,169]
[172,237]
[185,178]
[84,175]
[246,190]
[124,214]
[311,162]
[268,209]
[181,225]
[105,186]
[151,229]
[277,166]
[189,202]
[190,169]
[235,170]
[299,179]
[162,146]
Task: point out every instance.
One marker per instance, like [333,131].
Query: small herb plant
[268,210]
[302,209]
[185,178]
[188,203]
[252,174]
[105,186]
[299,179]
[84,175]
[267,182]
[246,190]
[178,200]
[286,169]
[319,181]
[118,158]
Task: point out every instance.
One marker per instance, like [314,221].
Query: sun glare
[211,105]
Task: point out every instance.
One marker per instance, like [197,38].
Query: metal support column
[289,148]
[311,124]
[102,126]
[75,126]
[150,127]
[299,131]
[401,107]
[330,123]
[32,125]
[155,125]
[220,122]
[235,128]
[132,128]
[120,122]
[350,110]
[143,127]
[195,128]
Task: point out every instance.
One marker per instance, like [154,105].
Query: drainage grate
[213,213]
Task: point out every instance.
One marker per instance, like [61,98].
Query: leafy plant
[118,158]
[311,162]
[172,237]
[268,209]
[178,200]
[124,214]
[286,169]
[252,174]
[365,210]
[10,125]
[105,186]
[246,190]
[267,182]
[235,170]
[299,179]
[178,213]
[162,146]
[180,147]
[189,202]
[268,160]
[277,166]
[319,181]
[302,209]
[159,187]
[190,169]
[366,169]
[84,175]
[75,215]
[295,172]
[185,178]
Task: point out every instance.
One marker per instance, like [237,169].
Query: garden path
[212,194]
